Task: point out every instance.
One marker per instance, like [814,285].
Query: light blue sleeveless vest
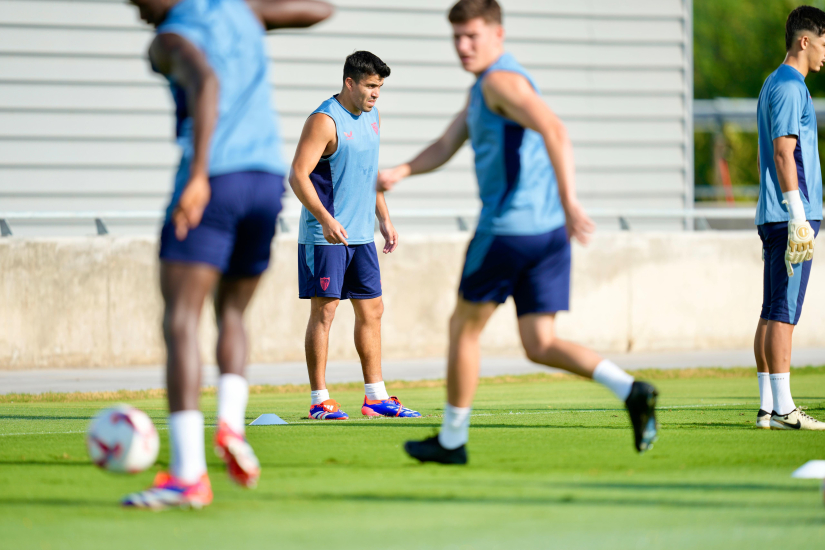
[345,181]
[246,136]
[516,181]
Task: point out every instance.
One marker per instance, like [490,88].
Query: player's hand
[189,211]
[390,236]
[800,244]
[389,177]
[334,232]
[579,224]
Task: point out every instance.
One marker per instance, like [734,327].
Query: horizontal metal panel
[69,13]
[533,19]
[319,47]
[160,127]
[33,181]
[455,183]
[441,51]
[160,155]
[327,75]
[600,8]
[414,103]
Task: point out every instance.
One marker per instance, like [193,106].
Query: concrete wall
[95,301]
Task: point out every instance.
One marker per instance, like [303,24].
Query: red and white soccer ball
[122,439]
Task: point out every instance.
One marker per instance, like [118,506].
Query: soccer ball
[122,439]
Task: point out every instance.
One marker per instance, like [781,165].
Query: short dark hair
[803,18]
[465,10]
[360,64]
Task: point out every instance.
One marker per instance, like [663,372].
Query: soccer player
[334,176]
[221,219]
[521,248]
[788,214]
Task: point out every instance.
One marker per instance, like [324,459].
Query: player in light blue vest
[788,214]
[524,165]
[333,175]
[221,218]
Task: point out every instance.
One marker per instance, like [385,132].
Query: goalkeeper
[788,214]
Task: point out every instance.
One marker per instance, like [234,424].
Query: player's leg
[763,375]
[321,271]
[544,289]
[763,415]
[463,364]
[491,267]
[252,201]
[316,342]
[362,284]
[787,295]
[231,300]
[184,287]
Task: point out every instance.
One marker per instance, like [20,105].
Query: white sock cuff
[233,382]
[614,378]
[780,376]
[188,455]
[233,395]
[376,390]
[319,396]
[763,375]
[455,427]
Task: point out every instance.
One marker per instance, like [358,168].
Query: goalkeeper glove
[800,233]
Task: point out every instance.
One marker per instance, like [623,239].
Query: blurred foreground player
[221,219]
[333,175]
[524,166]
[788,214]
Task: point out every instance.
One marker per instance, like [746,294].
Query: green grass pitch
[551,466]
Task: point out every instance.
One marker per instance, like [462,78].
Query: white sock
[319,396]
[765,393]
[455,429]
[188,457]
[781,389]
[233,394]
[608,374]
[376,391]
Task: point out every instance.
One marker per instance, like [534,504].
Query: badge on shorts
[324,283]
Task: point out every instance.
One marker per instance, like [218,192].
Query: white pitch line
[372,419]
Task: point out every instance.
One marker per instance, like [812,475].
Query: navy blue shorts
[338,271]
[533,269]
[236,231]
[782,296]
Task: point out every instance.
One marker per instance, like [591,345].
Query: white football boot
[796,420]
[763,419]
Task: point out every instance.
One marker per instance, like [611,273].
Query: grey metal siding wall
[85,126]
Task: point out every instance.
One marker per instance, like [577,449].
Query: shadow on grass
[59,502]
[561,500]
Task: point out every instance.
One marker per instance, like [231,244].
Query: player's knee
[179,324]
[371,314]
[536,350]
[325,313]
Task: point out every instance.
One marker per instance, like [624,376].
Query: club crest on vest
[375,127]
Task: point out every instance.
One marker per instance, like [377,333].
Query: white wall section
[85,126]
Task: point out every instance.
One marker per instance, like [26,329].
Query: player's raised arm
[511,95]
[434,156]
[290,14]
[317,138]
[178,59]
